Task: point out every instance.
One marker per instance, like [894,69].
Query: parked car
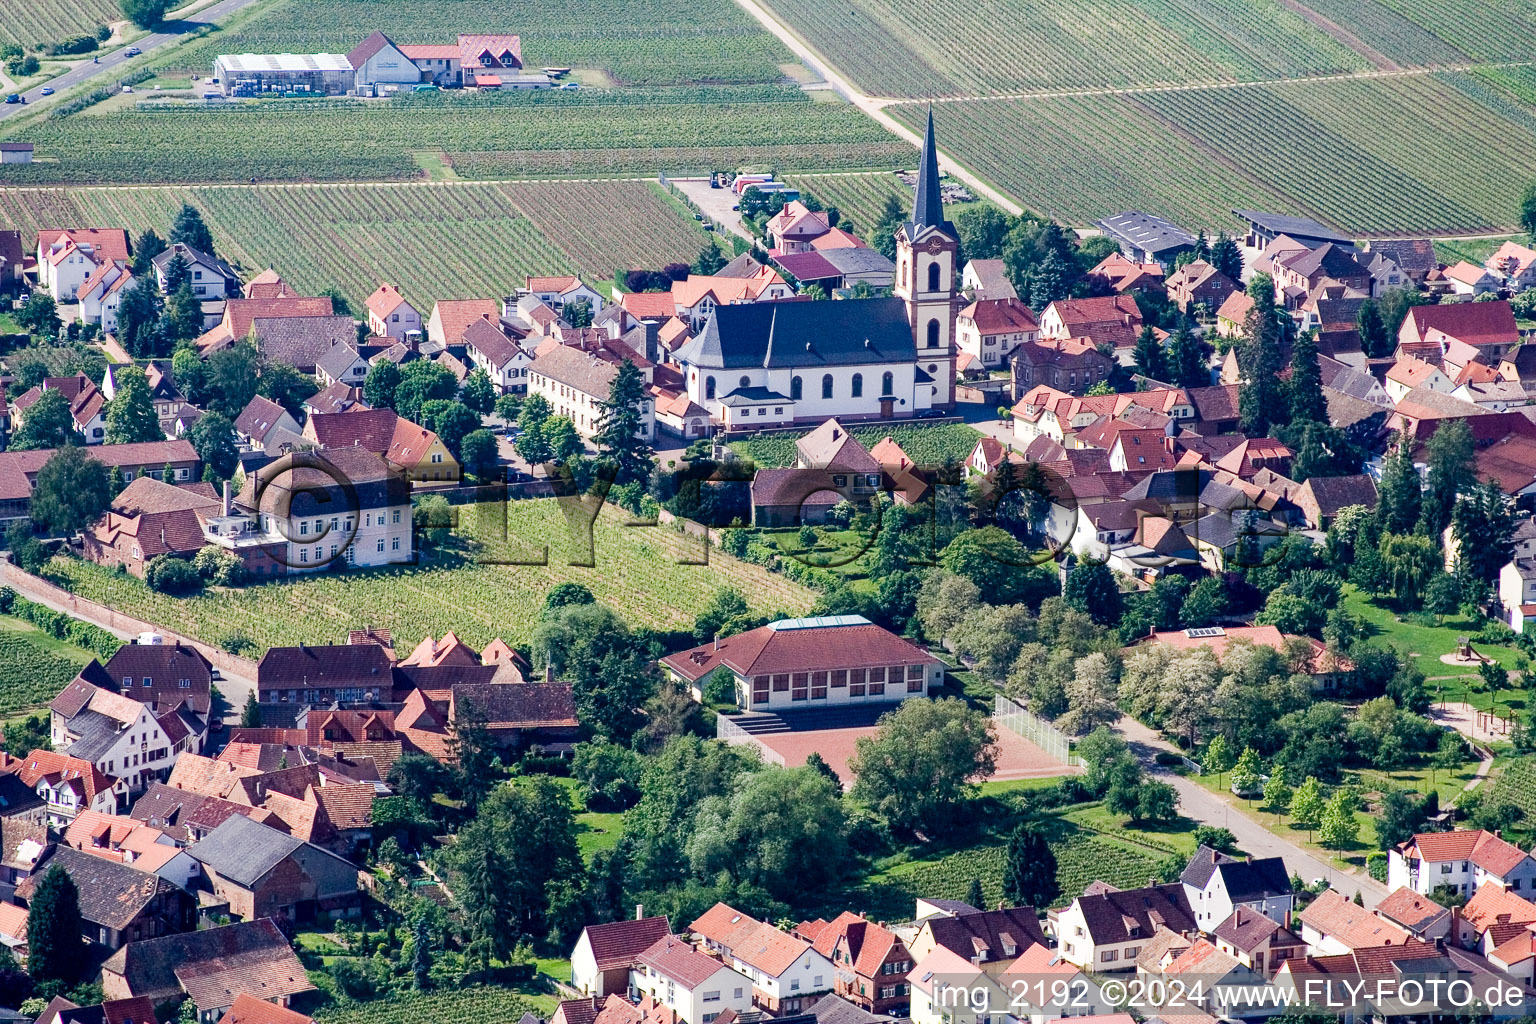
[930,414]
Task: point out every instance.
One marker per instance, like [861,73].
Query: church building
[767,364]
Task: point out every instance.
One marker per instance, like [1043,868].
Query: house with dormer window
[1104,929]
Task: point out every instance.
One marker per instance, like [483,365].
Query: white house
[1411,372]
[67,257]
[1215,885]
[119,735]
[1515,264]
[1332,925]
[1463,860]
[69,785]
[1104,931]
[784,971]
[562,291]
[811,663]
[576,383]
[503,360]
[1470,279]
[130,841]
[989,329]
[390,314]
[341,364]
[1036,988]
[696,987]
[101,294]
[381,66]
[210,277]
[604,954]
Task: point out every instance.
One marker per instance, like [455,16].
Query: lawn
[354,236]
[925,444]
[595,830]
[636,571]
[34,666]
[1427,643]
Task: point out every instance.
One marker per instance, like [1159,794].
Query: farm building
[15,152]
[254,74]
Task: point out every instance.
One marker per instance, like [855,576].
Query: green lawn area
[998,787]
[1177,835]
[595,830]
[1426,642]
[925,444]
[1473,250]
[640,572]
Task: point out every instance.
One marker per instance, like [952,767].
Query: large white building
[576,381]
[1462,860]
[809,663]
[696,987]
[67,258]
[119,735]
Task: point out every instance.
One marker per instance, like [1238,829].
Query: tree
[54,944]
[421,381]
[1449,753]
[1091,693]
[1277,795]
[287,387]
[1337,827]
[725,605]
[1307,804]
[250,715]
[177,273]
[190,230]
[1246,772]
[145,248]
[478,392]
[1374,339]
[1207,601]
[48,424]
[1186,359]
[181,319]
[991,557]
[709,261]
[612,675]
[892,213]
[974,896]
[1411,561]
[921,761]
[26,550]
[71,492]
[559,433]
[817,763]
[478,454]
[26,735]
[1260,402]
[1483,524]
[421,954]
[1401,816]
[1528,209]
[1226,257]
[621,427]
[213,436]
[1305,389]
[1400,496]
[486,885]
[145,13]
[1091,588]
[138,318]
[609,774]
[1029,868]
[379,386]
[1448,454]
[1218,755]
[168,574]
[1151,360]
[232,378]
[131,416]
[451,421]
[39,315]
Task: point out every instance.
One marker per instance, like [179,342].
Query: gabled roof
[258,418]
[245,851]
[454,315]
[1244,880]
[1247,929]
[991,935]
[248,1009]
[112,894]
[803,334]
[832,448]
[370,46]
[516,705]
[1476,323]
[1493,904]
[1297,227]
[677,961]
[1110,915]
[799,645]
[1000,316]
[1414,911]
[1334,915]
[620,943]
[214,964]
[385,300]
[1146,232]
[1482,848]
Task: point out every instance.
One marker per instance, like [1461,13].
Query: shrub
[220,567]
[171,575]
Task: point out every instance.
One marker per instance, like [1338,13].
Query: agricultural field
[29,22]
[638,42]
[354,236]
[1332,150]
[921,48]
[858,197]
[635,570]
[926,445]
[593,133]
[474,1005]
[1473,250]
[34,666]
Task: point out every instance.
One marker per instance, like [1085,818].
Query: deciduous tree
[71,491]
[921,762]
[131,416]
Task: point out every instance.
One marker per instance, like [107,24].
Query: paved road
[111,64]
[1210,809]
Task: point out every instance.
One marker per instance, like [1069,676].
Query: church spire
[928,203]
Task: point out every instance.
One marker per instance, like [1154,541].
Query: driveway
[111,63]
[1208,808]
[715,202]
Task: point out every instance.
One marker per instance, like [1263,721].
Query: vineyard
[919,48]
[1516,785]
[858,197]
[353,236]
[1331,150]
[636,571]
[925,445]
[638,42]
[45,21]
[548,134]
[475,1005]
[33,666]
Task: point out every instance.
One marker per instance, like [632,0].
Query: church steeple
[928,201]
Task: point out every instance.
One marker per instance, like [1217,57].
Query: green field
[45,21]
[34,666]
[594,133]
[1334,150]
[635,571]
[354,236]
[640,42]
[476,1005]
[925,445]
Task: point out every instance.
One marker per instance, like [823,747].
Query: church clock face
[935,246]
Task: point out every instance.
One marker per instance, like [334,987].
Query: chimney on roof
[225,510]
[1215,856]
[549,672]
[639,911]
[717,641]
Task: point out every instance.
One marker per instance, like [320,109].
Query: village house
[130,842]
[391,315]
[986,279]
[255,316]
[116,733]
[1298,275]
[870,961]
[341,364]
[695,987]
[1326,670]
[504,361]
[796,226]
[1332,925]
[1399,262]
[310,674]
[261,872]
[118,903]
[1144,238]
[1104,929]
[1112,319]
[1421,917]
[404,446]
[1515,265]
[576,383]
[1488,327]
[560,292]
[784,971]
[87,406]
[67,257]
[1123,275]
[989,939]
[69,785]
[1469,279]
[1492,917]
[1198,283]
[450,317]
[147,519]
[213,967]
[1215,885]
[101,294]
[209,277]
[605,953]
[1464,860]
[1256,941]
[990,329]
[819,662]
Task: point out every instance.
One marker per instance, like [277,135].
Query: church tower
[926,248]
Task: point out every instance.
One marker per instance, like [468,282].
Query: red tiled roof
[247,1009]
[676,960]
[1482,848]
[649,305]
[1000,316]
[775,649]
[369,429]
[619,943]
[1493,904]
[454,315]
[106,243]
[386,298]
[1476,323]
